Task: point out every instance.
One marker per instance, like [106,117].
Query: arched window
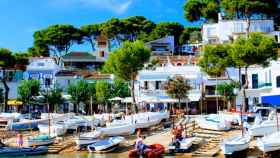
[278,81]
[179,64]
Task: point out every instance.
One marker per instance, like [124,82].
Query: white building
[228,30]
[149,87]
[42,69]
[264,84]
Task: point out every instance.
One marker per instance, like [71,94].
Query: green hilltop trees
[90,33]
[208,10]
[196,10]
[58,39]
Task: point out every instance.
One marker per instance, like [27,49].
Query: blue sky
[20,18]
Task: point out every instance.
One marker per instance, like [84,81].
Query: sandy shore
[160,136]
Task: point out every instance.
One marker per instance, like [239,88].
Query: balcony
[265,85]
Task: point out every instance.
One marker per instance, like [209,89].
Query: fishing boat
[155,150]
[86,139]
[40,140]
[145,120]
[213,122]
[269,143]
[117,128]
[13,151]
[262,129]
[235,144]
[104,145]
[55,129]
[181,146]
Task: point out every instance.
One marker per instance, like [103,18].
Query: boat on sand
[104,145]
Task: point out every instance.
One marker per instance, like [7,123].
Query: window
[243,79]
[254,81]
[101,53]
[146,85]
[47,82]
[158,84]
[278,81]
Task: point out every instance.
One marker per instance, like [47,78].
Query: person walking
[19,140]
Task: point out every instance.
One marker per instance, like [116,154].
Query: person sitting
[140,147]
[179,131]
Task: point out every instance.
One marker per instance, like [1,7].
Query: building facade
[203,96]
[42,69]
[228,30]
[162,46]
[264,84]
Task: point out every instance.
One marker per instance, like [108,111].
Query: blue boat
[13,151]
[22,126]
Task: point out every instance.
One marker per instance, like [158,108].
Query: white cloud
[116,6]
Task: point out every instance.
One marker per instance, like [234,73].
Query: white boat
[117,128]
[234,144]
[269,143]
[266,127]
[145,120]
[56,129]
[213,122]
[87,138]
[183,145]
[41,140]
[105,144]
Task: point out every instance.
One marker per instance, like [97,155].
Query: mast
[277,122]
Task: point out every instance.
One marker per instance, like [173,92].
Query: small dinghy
[181,146]
[269,143]
[86,139]
[235,144]
[40,140]
[105,145]
[12,151]
[155,151]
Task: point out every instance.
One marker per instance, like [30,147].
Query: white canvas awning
[127,100]
[116,99]
[194,97]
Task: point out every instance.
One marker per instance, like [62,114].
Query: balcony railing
[265,85]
